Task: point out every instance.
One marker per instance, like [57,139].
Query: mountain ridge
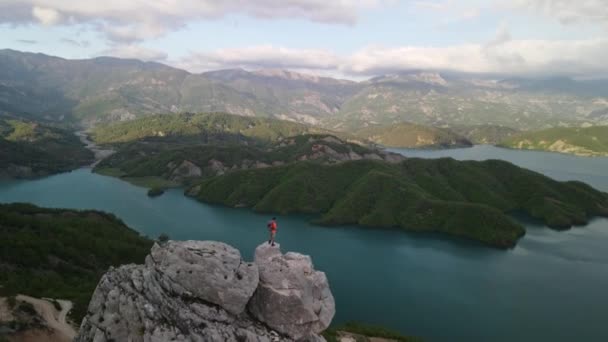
[581,141]
[105,89]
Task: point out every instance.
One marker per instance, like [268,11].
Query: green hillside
[31,149]
[200,128]
[105,89]
[465,199]
[435,99]
[165,164]
[59,253]
[485,134]
[590,141]
[408,135]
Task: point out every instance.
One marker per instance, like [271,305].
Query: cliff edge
[204,291]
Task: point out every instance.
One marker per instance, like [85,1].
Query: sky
[345,38]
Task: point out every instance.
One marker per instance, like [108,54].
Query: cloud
[135,52]
[263,56]
[451,11]
[26,41]
[46,16]
[502,55]
[76,43]
[129,21]
[566,11]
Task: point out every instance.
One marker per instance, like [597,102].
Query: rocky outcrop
[292,297]
[204,291]
[186,169]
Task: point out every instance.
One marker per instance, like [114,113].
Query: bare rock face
[291,297]
[200,291]
[186,169]
[208,270]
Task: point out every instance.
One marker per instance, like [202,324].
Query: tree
[163,238]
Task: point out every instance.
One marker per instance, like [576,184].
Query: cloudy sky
[346,38]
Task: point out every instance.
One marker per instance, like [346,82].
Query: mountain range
[104,89]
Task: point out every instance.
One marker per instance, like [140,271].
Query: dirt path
[54,319]
[100,154]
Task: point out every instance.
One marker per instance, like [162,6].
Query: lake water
[552,287]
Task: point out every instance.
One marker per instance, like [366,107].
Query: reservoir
[551,286]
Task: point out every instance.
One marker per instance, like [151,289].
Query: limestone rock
[292,297]
[208,270]
[186,169]
[198,291]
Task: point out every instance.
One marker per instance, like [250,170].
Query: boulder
[292,297]
[207,270]
[198,291]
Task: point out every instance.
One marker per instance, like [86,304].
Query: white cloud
[135,52]
[451,11]
[566,11]
[502,55]
[76,43]
[26,41]
[135,20]
[264,56]
[46,16]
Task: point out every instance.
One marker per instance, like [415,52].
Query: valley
[448,271]
[303,171]
[30,149]
[333,151]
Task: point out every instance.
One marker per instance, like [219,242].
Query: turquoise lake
[552,287]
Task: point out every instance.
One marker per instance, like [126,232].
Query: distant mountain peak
[286,74]
[429,77]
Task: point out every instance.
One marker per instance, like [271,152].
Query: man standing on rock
[272,227]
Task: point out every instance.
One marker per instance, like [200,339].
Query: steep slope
[110,89]
[408,135]
[60,253]
[157,164]
[466,199]
[435,99]
[590,141]
[204,291]
[295,96]
[31,149]
[485,134]
[201,128]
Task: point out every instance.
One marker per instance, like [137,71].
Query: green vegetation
[161,164]
[590,141]
[363,332]
[485,134]
[408,135]
[163,237]
[465,199]
[155,192]
[30,149]
[60,253]
[110,89]
[200,128]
